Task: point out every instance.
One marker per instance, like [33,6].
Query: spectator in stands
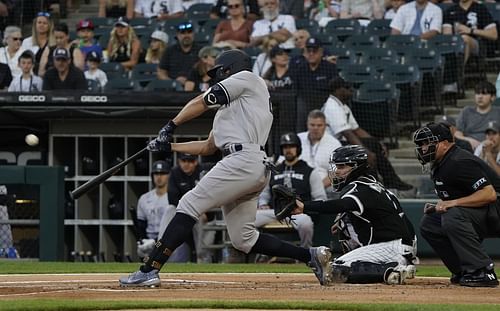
[489,149]
[300,38]
[317,145]
[263,61]
[221,9]
[325,11]
[63,76]
[273,25]
[178,60]
[296,174]
[395,5]
[198,79]
[294,8]
[362,10]
[342,124]
[154,212]
[473,21]
[27,81]
[116,8]
[420,18]
[277,77]
[310,79]
[451,123]
[161,10]
[85,41]
[9,54]
[5,76]
[235,31]
[157,46]
[124,47]
[473,120]
[42,37]
[61,33]
[93,72]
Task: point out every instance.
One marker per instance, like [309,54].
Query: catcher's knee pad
[363,272]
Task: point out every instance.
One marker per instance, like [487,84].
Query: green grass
[77,305]
[27,267]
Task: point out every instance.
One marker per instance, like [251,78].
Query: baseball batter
[240,129]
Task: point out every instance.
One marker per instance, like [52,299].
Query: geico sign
[31,98]
[93,99]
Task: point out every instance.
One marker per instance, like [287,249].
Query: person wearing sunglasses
[10,53]
[42,37]
[221,10]
[235,31]
[159,9]
[179,59]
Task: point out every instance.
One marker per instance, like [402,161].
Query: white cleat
[398,274]
[320,264]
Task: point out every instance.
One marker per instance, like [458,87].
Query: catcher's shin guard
[364,272]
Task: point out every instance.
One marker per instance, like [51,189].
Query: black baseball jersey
[296,177]
[460,174]
[374,212]
[476,17]
[179,183]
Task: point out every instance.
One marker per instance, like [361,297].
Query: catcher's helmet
[228,63]
[354,156]
[291,139]
[429,136]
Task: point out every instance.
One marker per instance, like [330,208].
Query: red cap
[85,24]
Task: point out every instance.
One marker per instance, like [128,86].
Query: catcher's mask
[291,139]
[228,63]
[346,164]
[426,140]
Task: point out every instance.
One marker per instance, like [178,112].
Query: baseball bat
[99,179]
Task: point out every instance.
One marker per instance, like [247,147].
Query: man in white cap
[489,149]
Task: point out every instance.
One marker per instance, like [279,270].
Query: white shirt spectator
[478,152]
[97,75]
[264,27]
[18,84]
[262,64]
[389,14]
[339,117]
[153,8]
[11,61]
[318,155]
[432,18]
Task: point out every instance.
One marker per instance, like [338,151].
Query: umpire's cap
[160,167]
[228,63]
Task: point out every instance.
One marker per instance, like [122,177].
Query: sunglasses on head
[45,14]
[185,27]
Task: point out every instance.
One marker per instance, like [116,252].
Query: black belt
[234,148]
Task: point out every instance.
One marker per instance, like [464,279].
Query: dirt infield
[235,286]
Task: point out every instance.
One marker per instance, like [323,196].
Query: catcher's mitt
[283,201]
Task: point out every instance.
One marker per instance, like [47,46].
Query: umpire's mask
[426,140]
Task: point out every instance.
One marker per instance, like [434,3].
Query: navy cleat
[141,279]
[320,264]
[484,277]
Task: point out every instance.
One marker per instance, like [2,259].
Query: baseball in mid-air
[31,139]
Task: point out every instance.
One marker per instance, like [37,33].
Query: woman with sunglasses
[235,31]
[10,53]
[124,47]
[42,37]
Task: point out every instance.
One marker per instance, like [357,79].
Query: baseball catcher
[380,242]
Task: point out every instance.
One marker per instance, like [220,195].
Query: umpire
[467,211]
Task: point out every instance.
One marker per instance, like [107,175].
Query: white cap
[160,35]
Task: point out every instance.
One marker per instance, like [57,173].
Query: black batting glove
[158,145]
[167,131]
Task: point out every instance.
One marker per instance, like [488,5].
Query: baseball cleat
[484,277]
[398,274]
[320,264]
[141,279]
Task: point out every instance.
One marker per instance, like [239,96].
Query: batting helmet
[228,63]
[430,135]
[354,156]
[291,139]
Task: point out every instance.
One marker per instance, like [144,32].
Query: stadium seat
[359,44]
[408,80]
[144,73]
[308,24]
[164,85]
[343,28]
[379,58]
[122,84]
[380,28]
[210,25]
[357,74]
[203,38]
[199,11]
[113,70]
[345,57]
[102,22]
[143,32]
[93,86]
[328,40]
[142,22]
[402,44]
[375,105]
[103,40]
